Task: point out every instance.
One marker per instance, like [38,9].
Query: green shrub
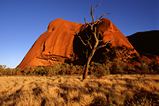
[8,71]
[17,71]
[63,69]
[2,69]
[145,69]
[78,70]
[98,69]
[51,71]
[41,70]
[119,67]
[31,71]
[56,68]
[72,69]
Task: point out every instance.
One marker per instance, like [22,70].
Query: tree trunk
[89,59]
[88,62]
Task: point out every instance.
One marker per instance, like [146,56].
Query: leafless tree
[95,35]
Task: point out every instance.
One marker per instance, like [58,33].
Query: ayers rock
[60,43]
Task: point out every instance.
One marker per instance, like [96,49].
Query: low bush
[96,69]
[145,69]
[56,69]
[154,67]
[5,71]
[119,67]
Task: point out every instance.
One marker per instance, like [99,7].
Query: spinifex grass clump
[112,90]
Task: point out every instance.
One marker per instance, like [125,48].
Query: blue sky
[23,21]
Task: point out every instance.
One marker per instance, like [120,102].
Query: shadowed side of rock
[108,32]
[146,43]
[60,42]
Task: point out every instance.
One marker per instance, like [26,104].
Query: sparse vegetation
[112,90]
[96,69]
[61,84]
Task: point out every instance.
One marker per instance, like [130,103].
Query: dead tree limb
[103,16]
[95,35]
[94,38]
[79,37]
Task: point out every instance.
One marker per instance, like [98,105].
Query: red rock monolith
[58,43]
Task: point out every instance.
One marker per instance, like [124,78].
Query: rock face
[56,42]
[60,44]
[146,43]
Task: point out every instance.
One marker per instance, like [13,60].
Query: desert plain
[110,90]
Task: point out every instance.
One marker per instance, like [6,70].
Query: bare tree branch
[103,16]
[88,41]
[93,10]
[74,30]
[82,40]
[89,37]
[89,44]
[103,45]
[92,14]
[85,21]
[95,34]
[101,40]
[96,7]
[79,37]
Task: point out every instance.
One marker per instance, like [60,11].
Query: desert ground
[111,90]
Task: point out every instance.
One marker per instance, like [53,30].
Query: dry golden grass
[72,91]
